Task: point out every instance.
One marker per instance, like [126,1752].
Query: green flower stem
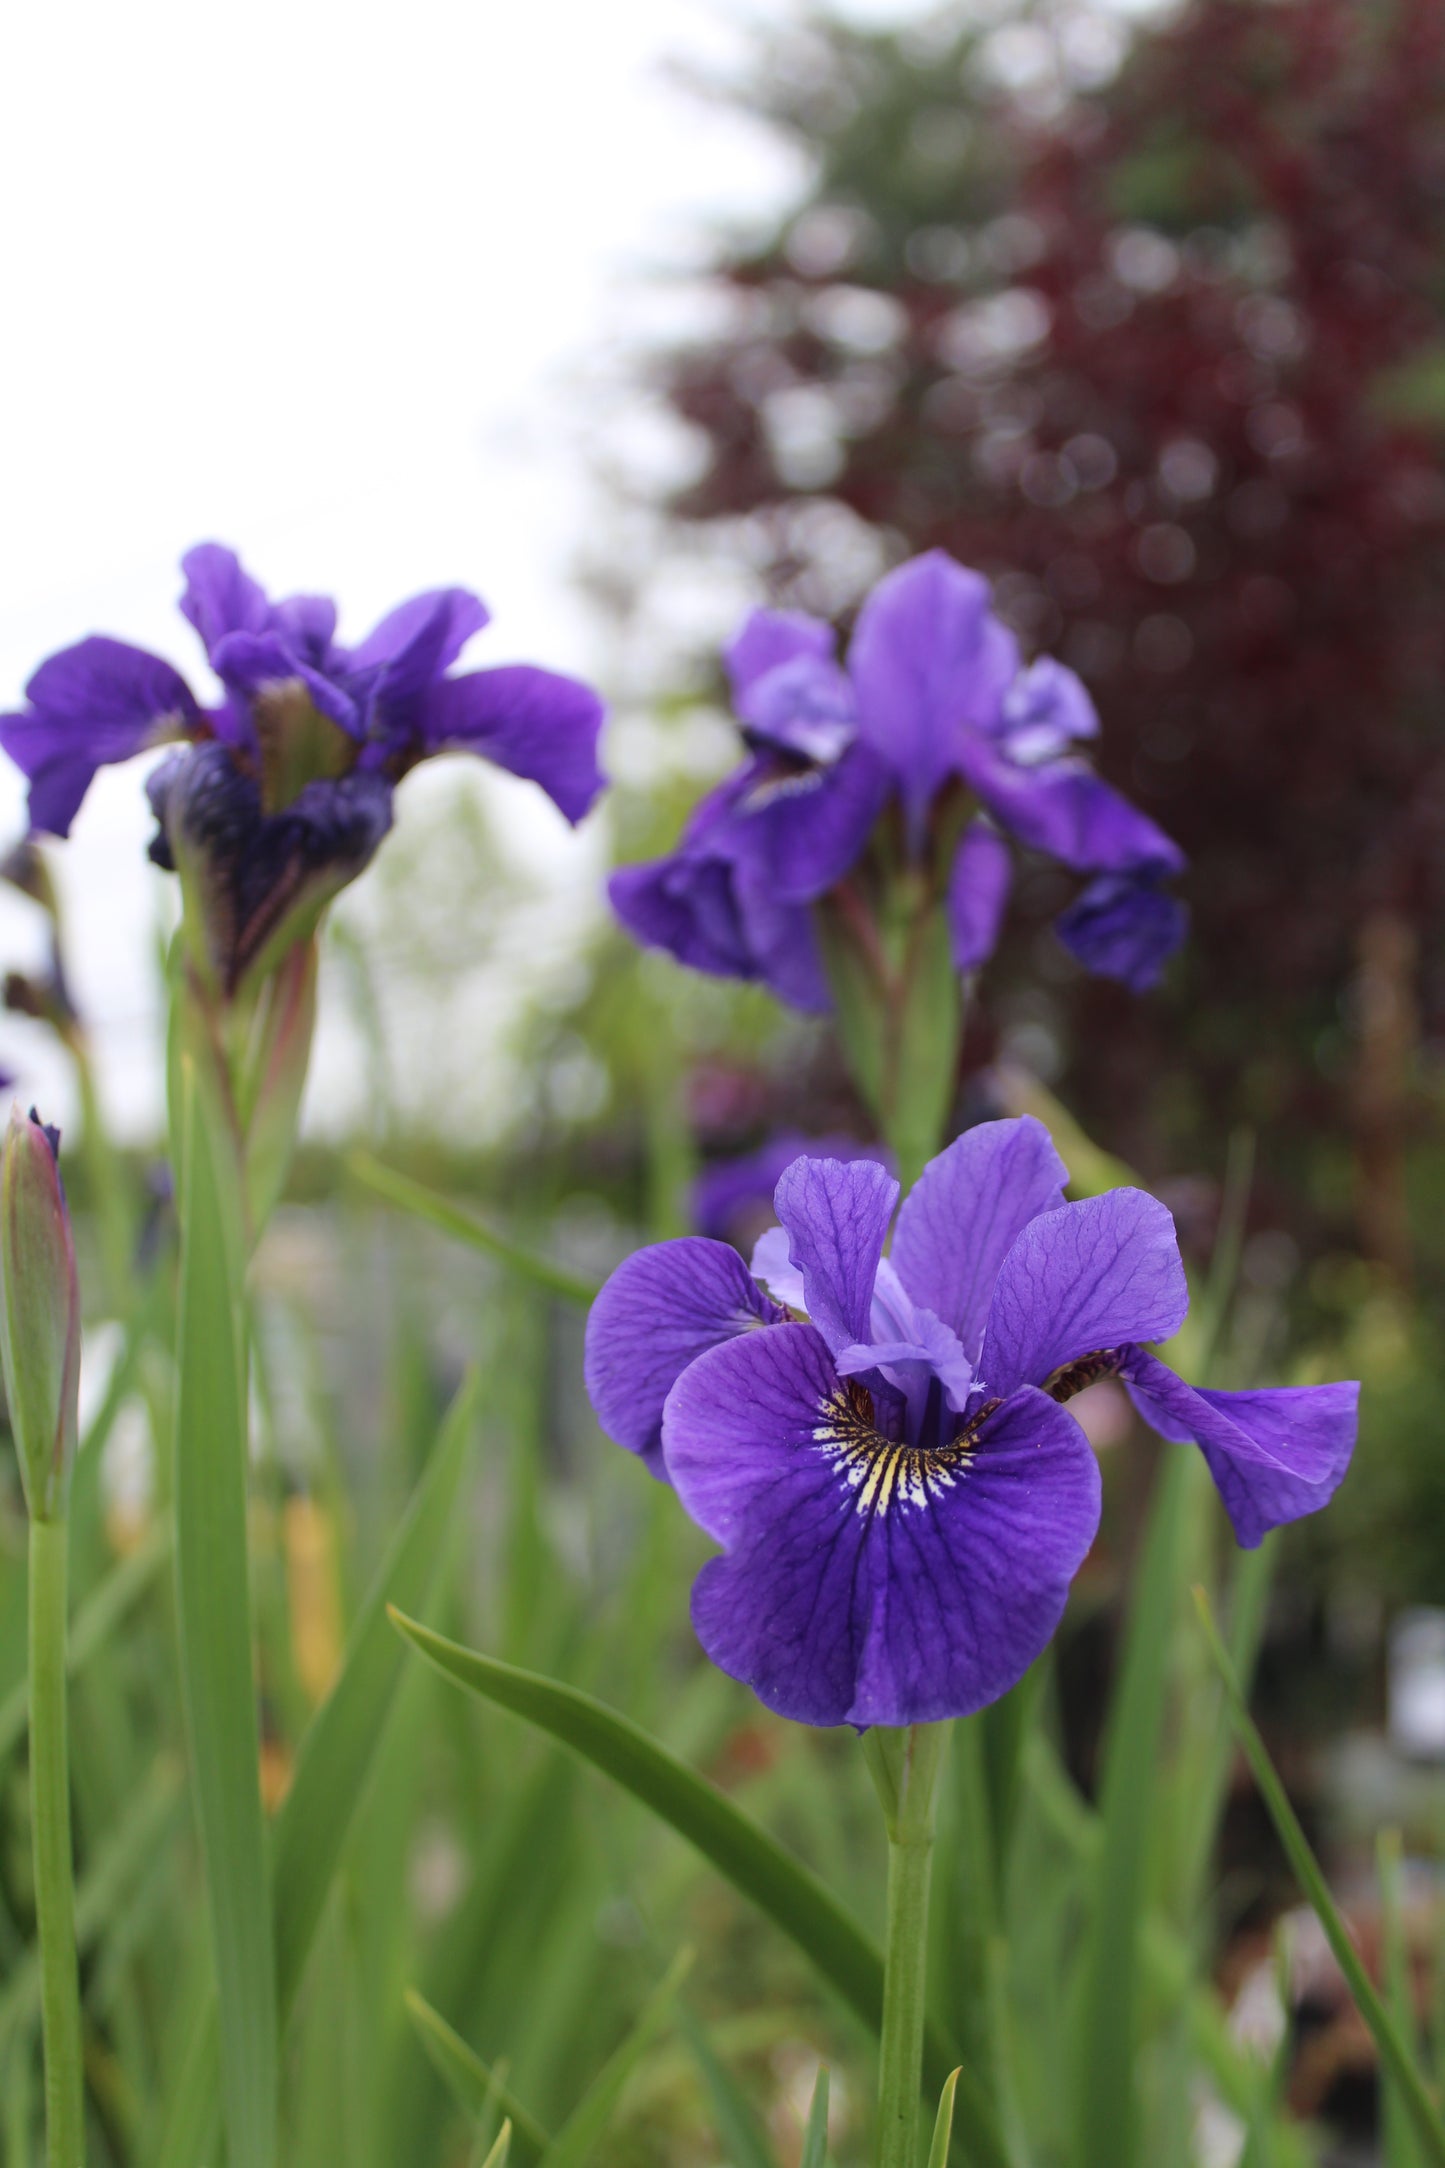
[905,1768]
[54,1870]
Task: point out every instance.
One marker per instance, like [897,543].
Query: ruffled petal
[964,1214]
[97,702]
[978,893]
[836,1214]
[220,595]
[930,664]
[419,639]
[1275,1454]
[660,1310]
[864,1583]
[1090,1276]
[1124,927]
[536,723]
[1068,813]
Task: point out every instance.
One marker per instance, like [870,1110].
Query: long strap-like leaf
[464,1226]
[754,1862]
[332,1769]
[1400,2067]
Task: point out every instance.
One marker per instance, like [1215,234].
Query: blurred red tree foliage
[1164,355]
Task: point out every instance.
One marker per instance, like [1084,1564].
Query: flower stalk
[50,1817]
[905,1766]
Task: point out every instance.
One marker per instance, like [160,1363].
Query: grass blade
[743,2142]
[468,1227]
[214,1618]
[815,2137]
[95,1621]
[1106,2126]
[584,2128]
[471,2084]
[340,1742]
[332,1769]
[943,2128]
[116,1869]
[1397,2063]
[1398,2148]
[497,2157]
[792,1897]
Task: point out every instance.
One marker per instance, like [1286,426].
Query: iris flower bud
[39,1312]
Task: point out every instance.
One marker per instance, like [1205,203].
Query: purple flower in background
[933,705]
[901,1497]
[286,790]
[729,1189]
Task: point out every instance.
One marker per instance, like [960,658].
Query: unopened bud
[39,1312]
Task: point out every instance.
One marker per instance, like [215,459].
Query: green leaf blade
[472,2085]
[785,1891]
[1400,2067]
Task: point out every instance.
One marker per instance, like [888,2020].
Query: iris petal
[836,1214]
[964,1214]
[1275,1454]
[864,1582]
[660,1310]
[1089,1276]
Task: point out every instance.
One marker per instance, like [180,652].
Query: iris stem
[905,1767]
[54,1868]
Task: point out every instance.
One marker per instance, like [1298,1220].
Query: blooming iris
[934,715]
[285,789]
[901,1497]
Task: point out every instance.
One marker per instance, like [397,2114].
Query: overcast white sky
[316,278]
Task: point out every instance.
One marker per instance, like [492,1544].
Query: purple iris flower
[286,789]
[901,1497]
[933,709]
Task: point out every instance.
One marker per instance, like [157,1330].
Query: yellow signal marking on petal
[876,1468]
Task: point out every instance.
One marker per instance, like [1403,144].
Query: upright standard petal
[1086,1278]
[253,662]
[1275,1454]
[660,1310]
[978,892]
[1126,927]
[418,640]
[768,640]
[836,1214]
[94,703]
[536,723]
[1065,811]
[867,1582]
[930,663]
[964,1214]
[220,595]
